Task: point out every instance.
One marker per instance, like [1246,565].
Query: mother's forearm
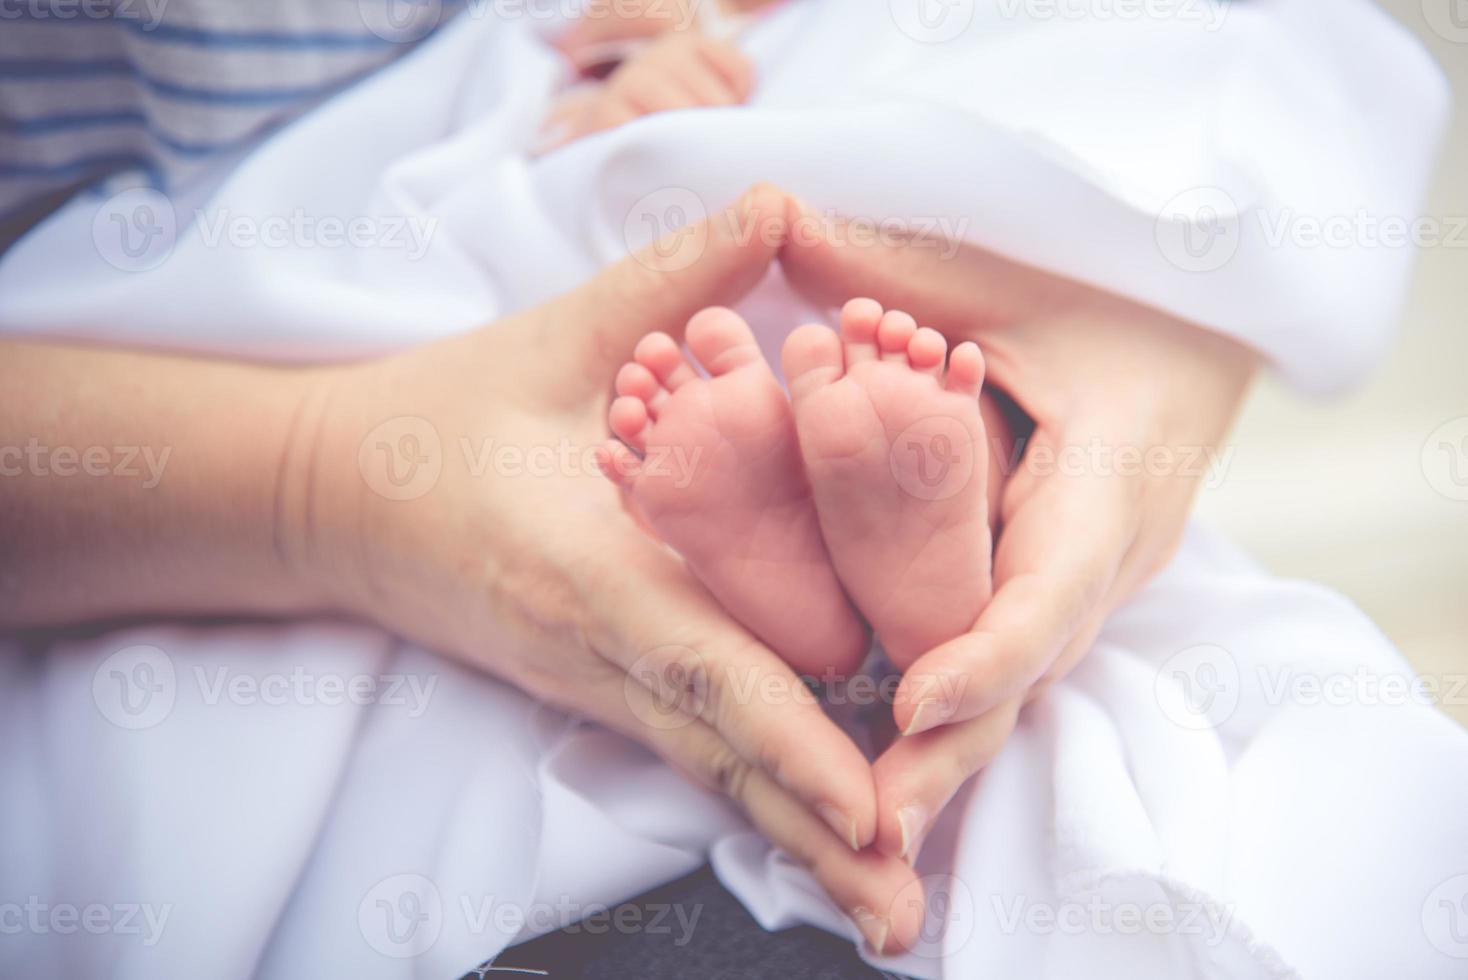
[135,483]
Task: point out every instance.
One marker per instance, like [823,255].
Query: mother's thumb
[713,262]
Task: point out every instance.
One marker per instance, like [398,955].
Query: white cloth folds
[1180,806]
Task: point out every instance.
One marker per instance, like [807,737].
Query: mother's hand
[451,490]
[1129,407]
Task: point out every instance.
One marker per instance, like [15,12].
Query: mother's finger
[957,287]
[712,262]
[879,893]
[1059,553]
[672,639]
[1151,551]
[918,775]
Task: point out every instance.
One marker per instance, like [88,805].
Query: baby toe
[860,319]
[811,359]
[966,369]
[926,350]
[636,381]
[894,331]
[629,421]
[661,355]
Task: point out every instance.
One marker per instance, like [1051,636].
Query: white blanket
[1238,781]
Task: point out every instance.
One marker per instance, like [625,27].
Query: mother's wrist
[317,490]
[366,498]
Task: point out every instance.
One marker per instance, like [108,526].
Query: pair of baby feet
[866,487]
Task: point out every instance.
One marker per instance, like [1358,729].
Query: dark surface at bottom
[689,929]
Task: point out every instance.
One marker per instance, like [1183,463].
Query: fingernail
[874,928]
[926,715]
[844,826]
[913,819]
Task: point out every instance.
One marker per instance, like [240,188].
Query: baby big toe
[860,319]
[721,340]
[661,355]
[811,359]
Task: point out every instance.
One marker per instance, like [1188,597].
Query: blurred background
[1368,493]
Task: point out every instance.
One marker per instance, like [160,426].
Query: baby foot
[720,480]
[895,453]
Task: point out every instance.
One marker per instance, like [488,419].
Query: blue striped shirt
[166,88]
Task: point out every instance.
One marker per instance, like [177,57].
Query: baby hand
[604,25]
[678,70]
